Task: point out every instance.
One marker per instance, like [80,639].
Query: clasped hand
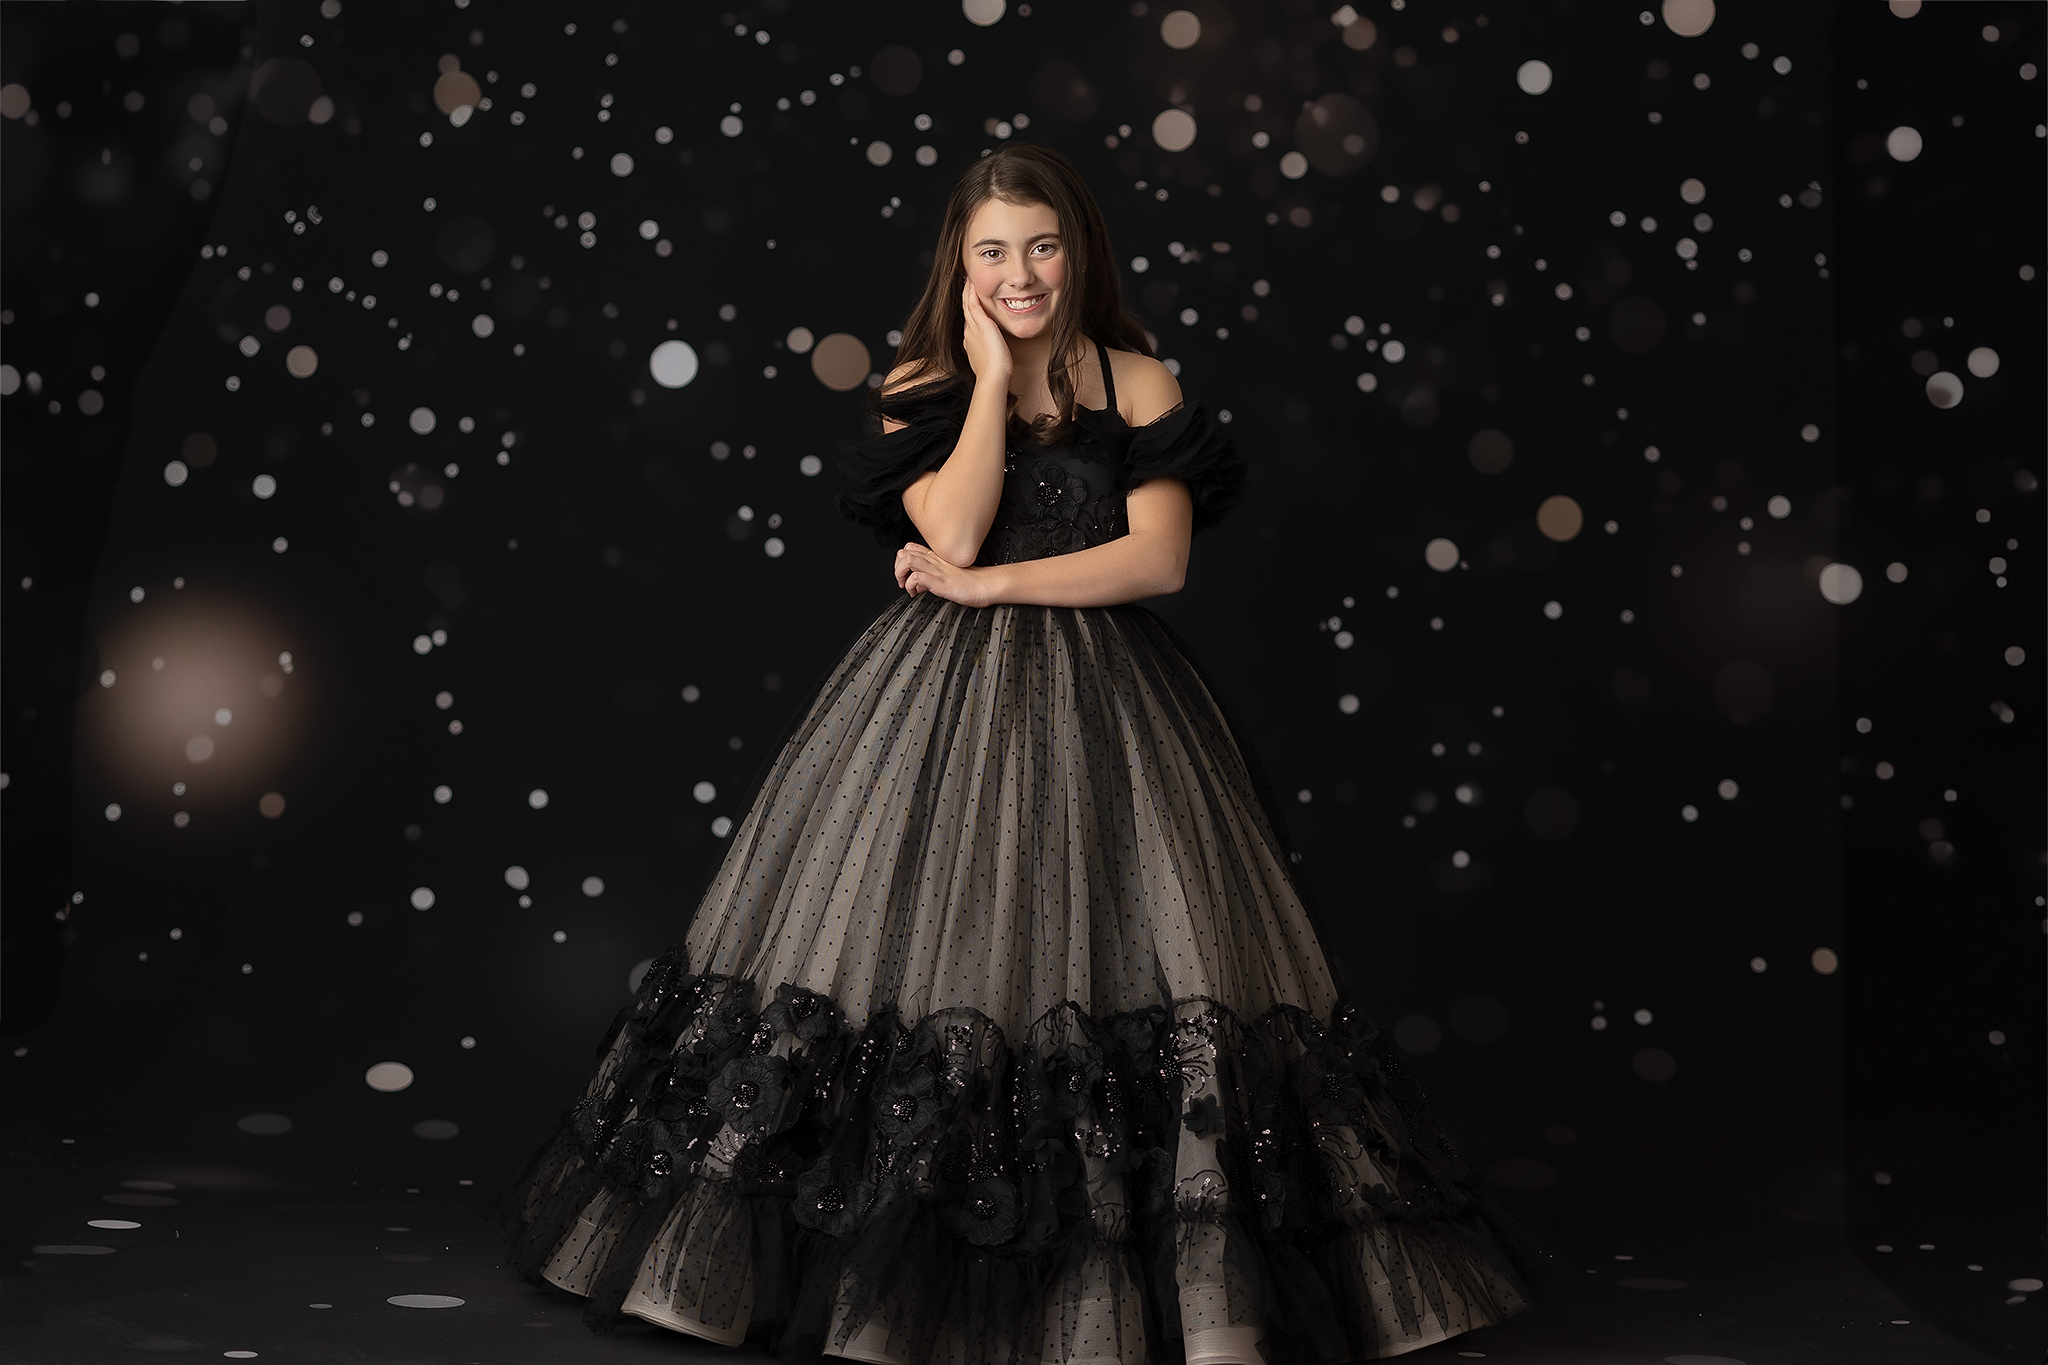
[919,570]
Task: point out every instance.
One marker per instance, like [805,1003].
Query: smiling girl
[1004,1033]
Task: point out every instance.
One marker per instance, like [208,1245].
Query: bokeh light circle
[622,164]
[455,89]
[1688,18]
[421,421]
[799,340]
[983,12]
[264,1125]
[1904,143]
[840,361]
[1983,362]
[301,361]
[1441,554]
[1841,584]
[1944,389]
[423,898]
[896,70]
[1490,450]
[593,887]
[879,153]
[388,1077]
[283,90]
[1180,29]
[1173,130]
[516,878]
[673,364]
[1559,517]
[1533,76]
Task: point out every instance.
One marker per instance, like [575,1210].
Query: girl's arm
[1149,562]
[954,505]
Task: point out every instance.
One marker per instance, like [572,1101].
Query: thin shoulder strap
[1108,379]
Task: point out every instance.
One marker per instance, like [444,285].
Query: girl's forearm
[1127,569]
[961,500]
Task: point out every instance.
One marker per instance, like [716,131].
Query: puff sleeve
[1188,444]
[877,469]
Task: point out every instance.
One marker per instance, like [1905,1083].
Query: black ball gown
[1003,1033]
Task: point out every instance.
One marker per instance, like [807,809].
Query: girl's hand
[988,350]
[918,570]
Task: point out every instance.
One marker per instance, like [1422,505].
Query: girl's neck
[1029,368]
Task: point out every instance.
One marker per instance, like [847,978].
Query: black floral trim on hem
[822,1151]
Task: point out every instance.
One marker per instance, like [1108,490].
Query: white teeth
[1011,304]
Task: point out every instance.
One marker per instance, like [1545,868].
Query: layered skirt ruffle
[1003,1036]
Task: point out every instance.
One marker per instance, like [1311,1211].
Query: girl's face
[1016,262]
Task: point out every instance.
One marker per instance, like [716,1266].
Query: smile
[1028,305]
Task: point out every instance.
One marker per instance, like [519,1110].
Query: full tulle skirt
[1003,1035]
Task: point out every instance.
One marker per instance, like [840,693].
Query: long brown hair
[1022,173]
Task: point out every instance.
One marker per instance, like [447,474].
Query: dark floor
[258,1254]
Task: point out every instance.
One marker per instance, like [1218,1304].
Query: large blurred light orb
[1533,77]
[1841,584]
[1180,29]
[983,12]
[840,361]
[388,1076]
[1559,517]
[673,364]
[1174,130]
[1441,554]
[1903,143]
[1688,18]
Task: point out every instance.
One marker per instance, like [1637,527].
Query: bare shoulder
[909,374]
[1146,389]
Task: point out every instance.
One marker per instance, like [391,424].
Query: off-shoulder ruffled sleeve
[1190,445]
[877,469]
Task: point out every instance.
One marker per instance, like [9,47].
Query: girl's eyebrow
[997,241]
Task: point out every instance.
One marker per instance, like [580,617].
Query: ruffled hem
[927,1192]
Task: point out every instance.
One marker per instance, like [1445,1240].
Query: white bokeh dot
[1841,584]
[537,798]
[673,364]
[593,886]
[1533,76]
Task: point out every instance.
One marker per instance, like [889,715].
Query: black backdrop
[1606,914]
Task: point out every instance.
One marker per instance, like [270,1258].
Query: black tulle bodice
[1056,498]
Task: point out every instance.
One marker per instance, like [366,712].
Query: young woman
[1003,1035]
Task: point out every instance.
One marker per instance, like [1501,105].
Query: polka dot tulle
[1003,1035]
